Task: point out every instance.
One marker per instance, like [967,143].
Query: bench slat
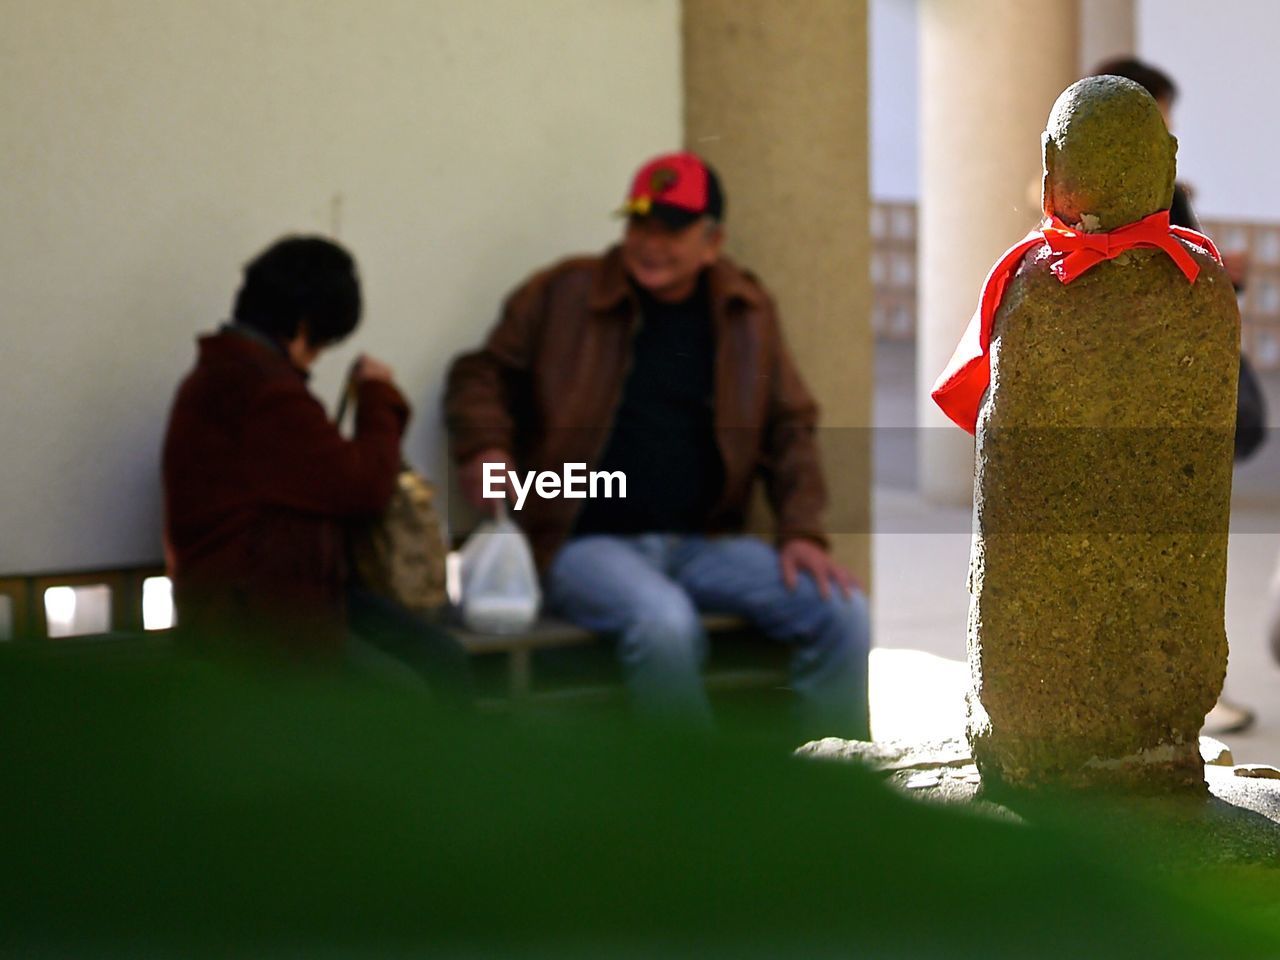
[550,633]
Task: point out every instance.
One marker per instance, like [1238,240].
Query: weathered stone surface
[1258,771]
[1236,821]
[1104,449]
[1111,157]
[891,755]
[1215,752]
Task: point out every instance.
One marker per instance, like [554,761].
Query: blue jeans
[649,590]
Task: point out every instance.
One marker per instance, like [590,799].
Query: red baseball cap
[676,188]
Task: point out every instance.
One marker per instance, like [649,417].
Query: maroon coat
[257,484]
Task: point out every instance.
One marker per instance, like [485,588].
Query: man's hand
[367,368]
[805,556]
[471,478]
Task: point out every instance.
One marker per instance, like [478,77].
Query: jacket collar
[237,339]
[725,281]
[257,336]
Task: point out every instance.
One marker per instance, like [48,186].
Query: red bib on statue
[960,388]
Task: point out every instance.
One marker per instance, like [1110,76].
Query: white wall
[893,59]
[1222,56]
[151,147]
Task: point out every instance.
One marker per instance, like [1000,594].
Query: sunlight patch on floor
[916,695]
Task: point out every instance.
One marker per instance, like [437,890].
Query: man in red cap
[662,362]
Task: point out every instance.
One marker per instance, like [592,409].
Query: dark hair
[1156,82]
[715,194]
[300,279]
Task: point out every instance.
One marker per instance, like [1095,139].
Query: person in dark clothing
[259,483]
[1251,413]
[1251,410]
[662,362]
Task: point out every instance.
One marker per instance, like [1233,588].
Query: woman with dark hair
[259,483]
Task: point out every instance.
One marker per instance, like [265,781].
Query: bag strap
[348,392]
[346,402]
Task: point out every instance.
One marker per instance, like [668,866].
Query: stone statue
[1100,380]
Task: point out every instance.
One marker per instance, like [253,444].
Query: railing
[893,270]
[1260,299]
[61,605]
[893,278]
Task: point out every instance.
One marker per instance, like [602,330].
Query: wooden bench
[740,659]
[553,661]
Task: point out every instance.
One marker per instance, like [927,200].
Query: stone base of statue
[1233,818]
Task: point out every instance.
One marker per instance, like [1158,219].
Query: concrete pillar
[989,72]
[1106,31]
[776,99]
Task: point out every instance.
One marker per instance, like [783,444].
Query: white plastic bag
[500,591]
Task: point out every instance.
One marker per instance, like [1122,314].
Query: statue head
[1107,155]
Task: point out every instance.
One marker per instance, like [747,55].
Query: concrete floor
[920,602]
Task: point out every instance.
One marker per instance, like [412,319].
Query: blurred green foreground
[158,807]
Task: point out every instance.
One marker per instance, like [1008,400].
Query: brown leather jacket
[546,385]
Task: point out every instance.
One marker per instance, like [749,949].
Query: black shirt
[1251,403]
[663,437]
